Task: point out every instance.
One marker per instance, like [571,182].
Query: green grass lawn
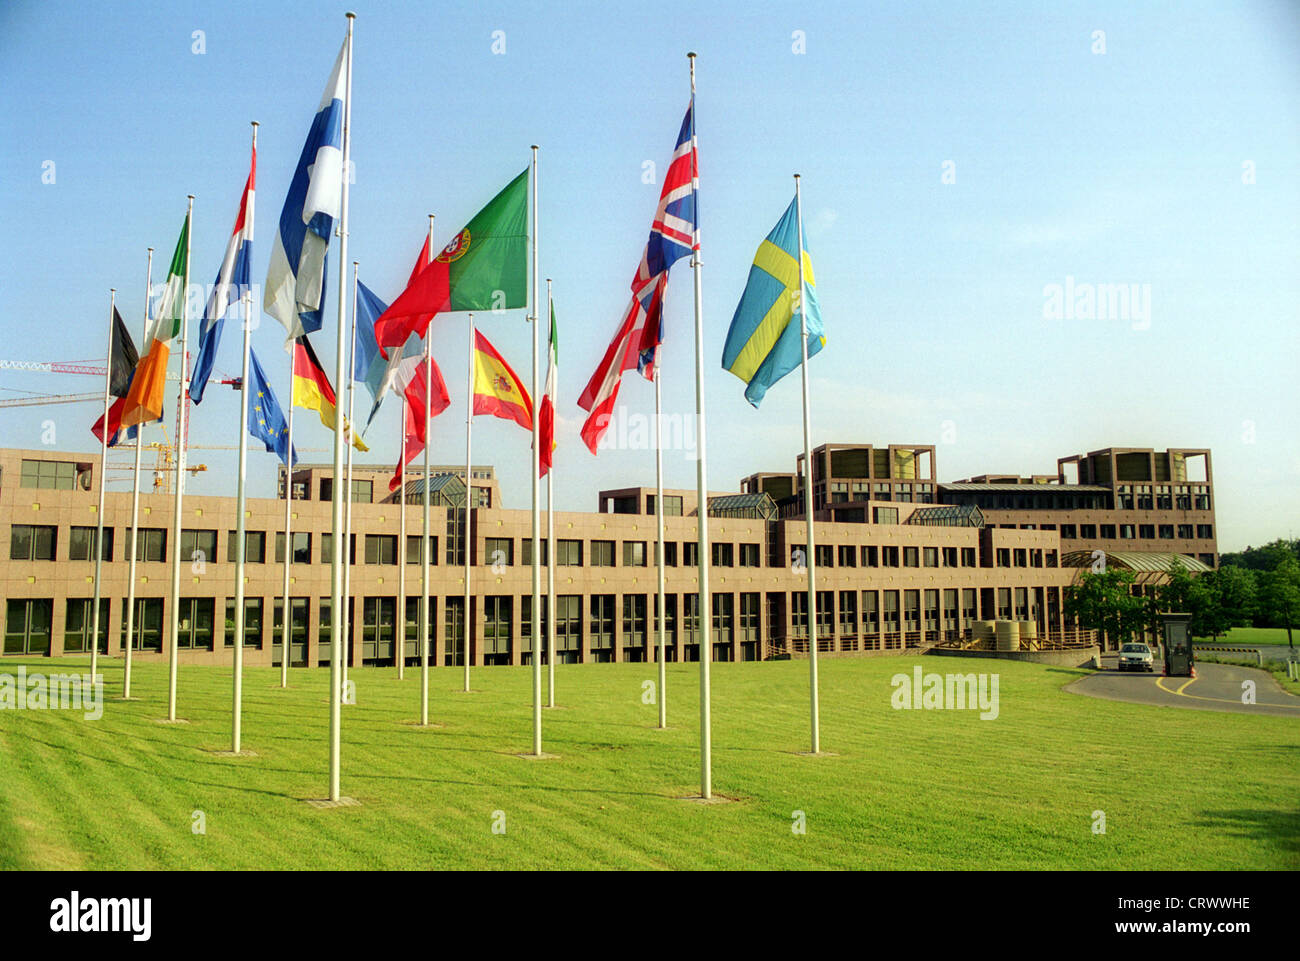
[1252,636]
[908,789]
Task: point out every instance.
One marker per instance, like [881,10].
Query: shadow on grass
[1278,827]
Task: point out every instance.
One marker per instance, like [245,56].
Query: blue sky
[1123,167]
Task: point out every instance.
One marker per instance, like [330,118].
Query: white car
[1136,657]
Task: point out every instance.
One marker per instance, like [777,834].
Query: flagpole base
[814,754]
[231,753]
[701,799]
[171,720]
[538,757]
[326,803]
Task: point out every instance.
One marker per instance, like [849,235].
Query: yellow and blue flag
[266,420]
[763,345]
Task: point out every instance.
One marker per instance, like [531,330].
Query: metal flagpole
[181,431]
[348,437]
[241,548]
[469,472]
[659,520]
[337,561]
[285,632]
[808,489]
[135,510]
[99,513]
[537,554]
[401,570]
[704,629]
[424,528]
[550,517]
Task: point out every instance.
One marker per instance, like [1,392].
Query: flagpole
[336,586]
[808,490]
[241,547]
[659,520]
[401,570]
[550,523]
[537,570]
[704,629]
[99,513]
[349,436]
[135,510]
[173,661]
[285,633]
[469,473]
[424,547]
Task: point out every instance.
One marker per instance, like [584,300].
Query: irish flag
[144,401]
[484,268]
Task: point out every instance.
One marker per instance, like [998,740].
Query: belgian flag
[312,390]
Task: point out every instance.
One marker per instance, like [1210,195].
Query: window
[870,556]
[670,625]
[1147,531]
[1164,499]
[911,557]
[634,553]
[848,613]
[196,624]
[254,547]
[151,544]
[825,555]
[601,633]
[49,475]
[1185,532]
[1018,557]
[602,553]
[363,491]
[498,615]
[252,622]
[568,553]
[885,515]
[327,549]
[500,550]
[1108,532]
[690,554]
[77,627]
[568,628]
[203,541]
[381,548]
[1127,532]
[29,542]
[1088,531]
[634,627]
[413,555]
[723,555]
[691,627]
[889,556]
[1067,532]
[1167,532]
[930,556]
[81,542]
[968,557]
[146,624]
[1004,557]
[301,547]
[672,505]
[526,551]
[27,624]
[749,556]
[723,615]
[1204,530]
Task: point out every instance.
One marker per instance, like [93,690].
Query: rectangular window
[151,544]
[1204,531]
[950,557]
[1108,532]
[968,558]
[327,549]
[301,547]
[1067,532]
[146,624]
[1147,532]
[252,622]
[526,551]
[381,549]
[690,554]
[197,618]
[413,555]
[601,632]
[568,553]
[1088,531]
[911,557]
[27,623]
[930,557]
[1167,532]
[602,553]
[204,542]
[885,515]
[634,554]
[1018,557]
[1004,557]
[1185,532]
[870,556]
[500,550]
[672,505]
[723,612]
[81,542]
[498,618]
[254,547]
[568,628]
[749,556]
[1127,532]
[49,475]
[634,627]
[78,627]
[825,555]
[723,555]
[29,542]
[889,556]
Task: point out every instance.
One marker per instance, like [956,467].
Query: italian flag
[484,268]
[144,401]
[546,417]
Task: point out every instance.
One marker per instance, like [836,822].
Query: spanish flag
[312,390]
[497,389]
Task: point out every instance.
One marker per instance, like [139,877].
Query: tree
[1279,594]
[1104,602]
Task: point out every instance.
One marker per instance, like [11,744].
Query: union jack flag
[674,233]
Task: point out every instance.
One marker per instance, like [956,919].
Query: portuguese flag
[484,268]
[497,389]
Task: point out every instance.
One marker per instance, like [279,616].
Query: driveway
[1216,687]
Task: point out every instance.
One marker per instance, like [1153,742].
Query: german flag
[497,389]
[312,390]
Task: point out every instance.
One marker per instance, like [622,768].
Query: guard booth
[1179,659]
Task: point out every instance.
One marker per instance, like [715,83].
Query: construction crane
[40,400]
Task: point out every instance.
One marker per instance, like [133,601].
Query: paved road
[1216,687]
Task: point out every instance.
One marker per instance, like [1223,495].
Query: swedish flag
[762,344]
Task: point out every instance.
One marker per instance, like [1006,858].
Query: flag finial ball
[350,15]
[691,54]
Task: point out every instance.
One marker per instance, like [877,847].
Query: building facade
[902,562]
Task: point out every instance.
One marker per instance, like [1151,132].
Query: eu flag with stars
[764,342]
[266,419]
